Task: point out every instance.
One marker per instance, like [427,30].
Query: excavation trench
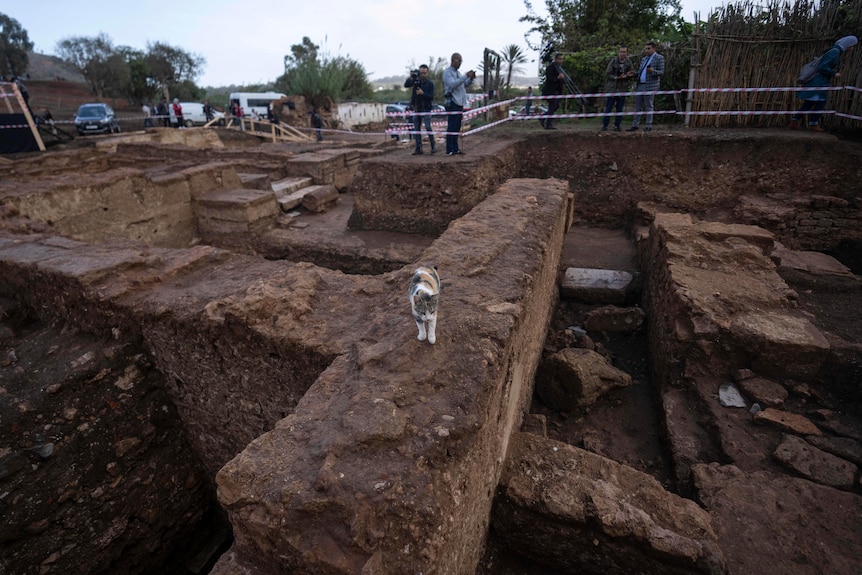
[285,345]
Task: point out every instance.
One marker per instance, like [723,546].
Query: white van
[258,101]
[193,114]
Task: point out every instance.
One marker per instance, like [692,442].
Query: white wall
[352,114]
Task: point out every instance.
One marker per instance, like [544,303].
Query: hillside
[44,67]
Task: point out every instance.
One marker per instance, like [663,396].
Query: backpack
[809,70]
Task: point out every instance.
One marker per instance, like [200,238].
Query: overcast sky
[244,42]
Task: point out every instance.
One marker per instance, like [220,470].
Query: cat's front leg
[421,326]
[432,329]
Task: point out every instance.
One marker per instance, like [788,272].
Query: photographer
[421,101]
[618,78]
[553,86]
[455,87]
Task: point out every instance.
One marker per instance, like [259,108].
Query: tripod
[547,56]
[573,88]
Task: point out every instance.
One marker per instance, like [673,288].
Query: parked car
[96,118]
[193,114]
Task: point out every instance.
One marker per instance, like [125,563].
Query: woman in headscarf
[814,101]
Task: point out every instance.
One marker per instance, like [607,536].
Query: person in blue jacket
[814,101]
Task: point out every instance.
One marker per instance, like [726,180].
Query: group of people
[620,73]
[455,100]
[168,114]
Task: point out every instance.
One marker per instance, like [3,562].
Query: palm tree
[512,55]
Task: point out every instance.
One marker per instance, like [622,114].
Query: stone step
[234,210]
[290,185]
[253,180]
[319,195]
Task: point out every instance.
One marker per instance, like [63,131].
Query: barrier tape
[473,112]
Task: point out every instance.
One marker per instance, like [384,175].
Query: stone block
[571,511]
[319,198]
[576,377]
[786,421]
[781,345]
[289,185]
[814,464]
[595,286]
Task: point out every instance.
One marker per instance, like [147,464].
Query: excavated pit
[285,346]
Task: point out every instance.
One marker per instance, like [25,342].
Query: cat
[424,295]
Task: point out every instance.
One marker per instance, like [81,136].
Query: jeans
[620,101]
[453,127]
[813,106]
[417,126]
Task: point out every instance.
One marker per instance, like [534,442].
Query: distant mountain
[44,67]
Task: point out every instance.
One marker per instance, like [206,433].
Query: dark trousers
[553,106]
[813,106]
[453,127]
[417,126]
[619,101]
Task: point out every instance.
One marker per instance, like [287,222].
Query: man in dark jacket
[421,101]
[618,78]
[553,87]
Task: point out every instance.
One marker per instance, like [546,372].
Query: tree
[14,46]
[321,79]
[91,56]
[574,25]
[170,67]
[512,56]
[136,85]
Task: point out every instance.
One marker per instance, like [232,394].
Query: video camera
[547,54]
[414,75]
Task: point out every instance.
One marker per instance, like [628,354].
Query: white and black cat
[424,295]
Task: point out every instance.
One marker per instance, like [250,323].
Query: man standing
[177,109]
[553,87]
[649,78]
[455,89]
[618,77]
[164,113]
[148,115]
[421,100]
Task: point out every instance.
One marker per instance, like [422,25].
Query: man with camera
[618,76]
[455,87]
[553,86]
[421,101]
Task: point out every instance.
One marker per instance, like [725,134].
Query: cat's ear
[416,299]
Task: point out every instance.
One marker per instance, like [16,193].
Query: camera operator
[421,101]
[455,87]
[553,87]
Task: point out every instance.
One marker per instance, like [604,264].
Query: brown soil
[39,363]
